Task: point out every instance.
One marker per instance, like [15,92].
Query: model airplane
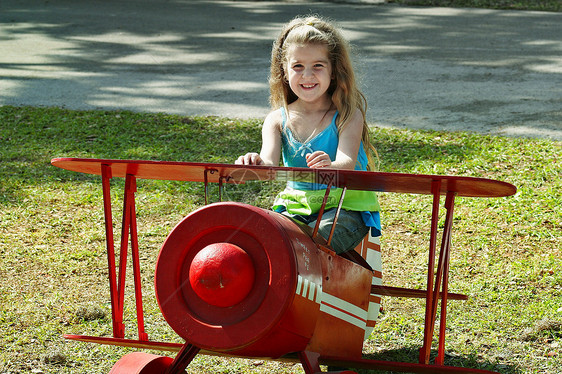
[236,280]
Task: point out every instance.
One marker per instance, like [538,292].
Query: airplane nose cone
[222,274]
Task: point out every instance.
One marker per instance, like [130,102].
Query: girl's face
[309,71]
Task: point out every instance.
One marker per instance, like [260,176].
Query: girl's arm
[271,143]
[348,147]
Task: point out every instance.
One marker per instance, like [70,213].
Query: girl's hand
[318,159]
[250,158]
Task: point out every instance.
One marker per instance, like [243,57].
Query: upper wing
[354,180]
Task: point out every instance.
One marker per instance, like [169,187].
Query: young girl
[318,121]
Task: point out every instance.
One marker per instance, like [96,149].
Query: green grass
[506,252]
[539,5]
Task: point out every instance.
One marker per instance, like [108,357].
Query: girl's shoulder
[355,120]
[274,120]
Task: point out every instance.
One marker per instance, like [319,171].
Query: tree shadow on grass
[31,137]
[411,151]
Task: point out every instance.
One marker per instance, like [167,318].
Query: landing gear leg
[184,357]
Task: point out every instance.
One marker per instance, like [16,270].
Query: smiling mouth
[308,86]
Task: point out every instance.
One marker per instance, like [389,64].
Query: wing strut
[128,232]
[439,278]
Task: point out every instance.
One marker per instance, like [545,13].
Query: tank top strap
[283,118]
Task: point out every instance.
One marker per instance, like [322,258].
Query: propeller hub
[222,274]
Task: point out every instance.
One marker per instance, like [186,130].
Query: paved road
[496,72]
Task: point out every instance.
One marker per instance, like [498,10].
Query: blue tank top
[294,152]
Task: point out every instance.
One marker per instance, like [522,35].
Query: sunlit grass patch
[506,251]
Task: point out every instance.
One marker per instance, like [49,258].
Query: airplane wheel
[141,363]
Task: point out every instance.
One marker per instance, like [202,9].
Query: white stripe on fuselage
[331,304]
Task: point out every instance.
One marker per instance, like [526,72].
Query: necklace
[314,129]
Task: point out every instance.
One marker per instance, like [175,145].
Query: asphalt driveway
[490,71]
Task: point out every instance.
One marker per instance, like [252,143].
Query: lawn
[506,251]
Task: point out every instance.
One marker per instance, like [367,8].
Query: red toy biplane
[233,279]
